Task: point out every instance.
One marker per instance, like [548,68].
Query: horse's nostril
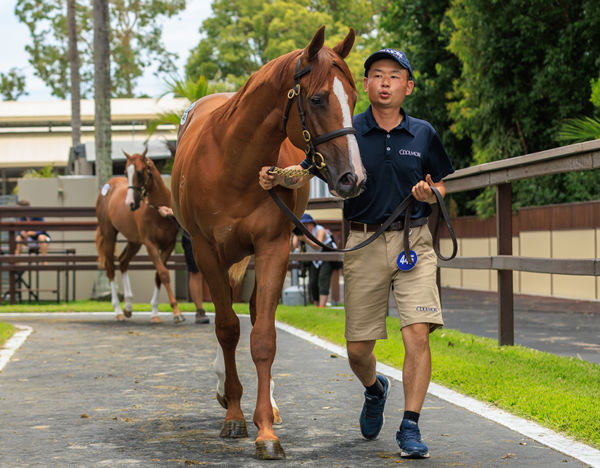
[348,179]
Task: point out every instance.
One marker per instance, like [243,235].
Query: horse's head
[325,96]
[139,176]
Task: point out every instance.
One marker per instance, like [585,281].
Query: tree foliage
[502,77]
[12,85]
[135,42]
[523,65]
[243,35]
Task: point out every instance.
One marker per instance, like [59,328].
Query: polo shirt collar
[370,123]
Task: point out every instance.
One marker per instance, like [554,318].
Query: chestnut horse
[118,209]
[223,142]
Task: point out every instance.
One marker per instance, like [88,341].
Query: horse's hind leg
[178,317]
[276,415]
[227,329]
[128,253]
[105,243]
[162,277]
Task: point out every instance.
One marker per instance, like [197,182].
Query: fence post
[506,326]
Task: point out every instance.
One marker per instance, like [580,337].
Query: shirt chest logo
[405,152]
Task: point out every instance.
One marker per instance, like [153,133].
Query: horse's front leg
[162,276]
[271,267]
[276,415]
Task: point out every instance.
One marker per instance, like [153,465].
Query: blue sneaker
[409,440]
[371,417]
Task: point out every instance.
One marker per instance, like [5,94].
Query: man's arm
[267,180]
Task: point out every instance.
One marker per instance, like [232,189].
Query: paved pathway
[87,391]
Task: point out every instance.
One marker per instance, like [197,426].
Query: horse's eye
[316,101]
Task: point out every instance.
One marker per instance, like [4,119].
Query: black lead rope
[406,205]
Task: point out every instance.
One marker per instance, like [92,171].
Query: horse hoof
[178,318]
[120,318]
[276,417]
[269,450]
[234,429]
[222,400]
[127,312]
[155,319]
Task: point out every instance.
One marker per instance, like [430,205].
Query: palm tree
[186,88]
[579,129]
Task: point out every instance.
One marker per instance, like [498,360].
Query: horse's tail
[237,271]
[100,247]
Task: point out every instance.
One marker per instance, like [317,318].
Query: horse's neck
[255,123]
[159,194]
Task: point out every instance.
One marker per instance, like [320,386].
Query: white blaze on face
[355,161]
[129,197]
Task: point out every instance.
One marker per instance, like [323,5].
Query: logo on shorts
[426,309]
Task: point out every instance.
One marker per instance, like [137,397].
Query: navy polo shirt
[395,161]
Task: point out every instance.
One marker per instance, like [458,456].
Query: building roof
[38,134]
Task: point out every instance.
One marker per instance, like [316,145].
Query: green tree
[12,85]
[135,41]
[242,35]
[522,65]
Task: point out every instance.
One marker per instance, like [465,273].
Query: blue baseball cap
[393,54]
[306,218]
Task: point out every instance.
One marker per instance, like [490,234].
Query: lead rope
[405,205]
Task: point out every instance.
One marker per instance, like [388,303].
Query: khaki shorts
[370,271]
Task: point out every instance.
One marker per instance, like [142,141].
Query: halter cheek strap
[316,158]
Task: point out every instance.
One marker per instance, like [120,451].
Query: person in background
[196,280]
[31,238]
[402,155]
[319,272]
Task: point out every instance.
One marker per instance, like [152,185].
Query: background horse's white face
[136,173]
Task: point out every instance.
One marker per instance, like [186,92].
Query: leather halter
[316,158]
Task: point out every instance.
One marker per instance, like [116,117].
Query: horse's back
[199,110]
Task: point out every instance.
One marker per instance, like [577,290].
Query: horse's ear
[315,45]
[345,46]
[126,155]
[145,151]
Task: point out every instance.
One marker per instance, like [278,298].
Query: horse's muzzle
[348,187]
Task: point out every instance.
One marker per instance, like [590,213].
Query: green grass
[557,392]
[6,331]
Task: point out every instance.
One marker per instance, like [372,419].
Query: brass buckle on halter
[320,165]
[306,135]
[295,91]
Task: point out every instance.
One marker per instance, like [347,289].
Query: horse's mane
[280,70]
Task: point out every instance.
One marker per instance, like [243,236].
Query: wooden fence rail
[501,174]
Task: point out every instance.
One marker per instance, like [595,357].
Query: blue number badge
[402,261]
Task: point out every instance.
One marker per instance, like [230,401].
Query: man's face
[387,84]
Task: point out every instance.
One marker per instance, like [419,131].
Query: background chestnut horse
[223,142]
[118,209]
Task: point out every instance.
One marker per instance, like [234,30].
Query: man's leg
[43,241]
[362,362]
[196,285]
[416,374]
[19,239]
